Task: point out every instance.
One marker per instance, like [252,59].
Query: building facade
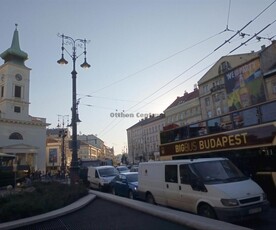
[213,96]
[21,134]
[184,110]
[234,82]
[144,139]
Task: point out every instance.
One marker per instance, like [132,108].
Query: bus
[247,137]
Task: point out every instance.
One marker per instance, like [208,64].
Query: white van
[211,187]
[100,177]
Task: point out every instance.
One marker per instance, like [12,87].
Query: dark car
[125,184]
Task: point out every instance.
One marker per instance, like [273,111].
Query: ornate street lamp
[63,134]
[74,43]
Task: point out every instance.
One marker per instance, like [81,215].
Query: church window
[16,136]
[17,109]
[17,91]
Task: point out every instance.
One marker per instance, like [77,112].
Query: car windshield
[132,177]
[123,168]
[106,172]
[218,171]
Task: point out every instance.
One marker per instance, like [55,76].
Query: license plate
[255,210]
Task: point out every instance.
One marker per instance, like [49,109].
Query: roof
[14,53]
[234,61]
[185,98]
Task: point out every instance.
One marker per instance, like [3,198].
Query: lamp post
[62,134]
[74,43]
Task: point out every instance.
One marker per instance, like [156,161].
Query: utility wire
[227,41]
[227,27]
[255,35]
[177,85]
[238,32]
[156,63]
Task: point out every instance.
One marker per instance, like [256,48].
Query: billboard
[53,155]
[244,86]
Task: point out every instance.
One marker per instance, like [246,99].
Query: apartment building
[144,139]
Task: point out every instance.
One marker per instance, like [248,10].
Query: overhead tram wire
[255,35]
[189,78]
[106,98]
[158,90]
[158,62]
[227,41]
[238,32]
[108,125]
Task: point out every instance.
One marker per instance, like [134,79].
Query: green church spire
[14,53]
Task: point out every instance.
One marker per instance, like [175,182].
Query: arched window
[16,136]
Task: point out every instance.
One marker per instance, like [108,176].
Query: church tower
[14,82]
[21,134]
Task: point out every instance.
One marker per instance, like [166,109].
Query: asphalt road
[104,215]
[266,222]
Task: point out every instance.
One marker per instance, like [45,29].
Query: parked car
[122,168]
[125,184]
[100,177]
[134,168]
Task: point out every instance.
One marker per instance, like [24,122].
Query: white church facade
[21,134]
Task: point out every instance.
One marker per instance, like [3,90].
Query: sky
[143,54]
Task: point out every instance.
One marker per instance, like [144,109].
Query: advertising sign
[244,86]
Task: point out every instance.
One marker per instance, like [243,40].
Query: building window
[17,91]
[2,91]
[16,136]
[224,67]
[218,111]
[274,87]
[205,88]
[17,109]
[216,97]
[207,101]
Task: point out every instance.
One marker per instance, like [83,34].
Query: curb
[49,215]
[183,218]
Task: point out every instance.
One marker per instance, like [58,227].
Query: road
[103,215]
[266,222]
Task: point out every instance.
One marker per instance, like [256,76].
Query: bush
[45,198]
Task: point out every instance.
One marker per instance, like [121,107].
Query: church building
[21,134]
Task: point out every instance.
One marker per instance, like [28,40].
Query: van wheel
[150,198]
[130,195]
[207,211]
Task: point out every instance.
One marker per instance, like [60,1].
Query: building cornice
[21,122]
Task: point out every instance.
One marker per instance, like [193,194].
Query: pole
[74,169]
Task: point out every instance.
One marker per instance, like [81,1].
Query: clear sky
[143,53]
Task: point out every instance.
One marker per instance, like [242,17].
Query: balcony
[217,87]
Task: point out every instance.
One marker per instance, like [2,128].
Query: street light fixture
[74,43]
